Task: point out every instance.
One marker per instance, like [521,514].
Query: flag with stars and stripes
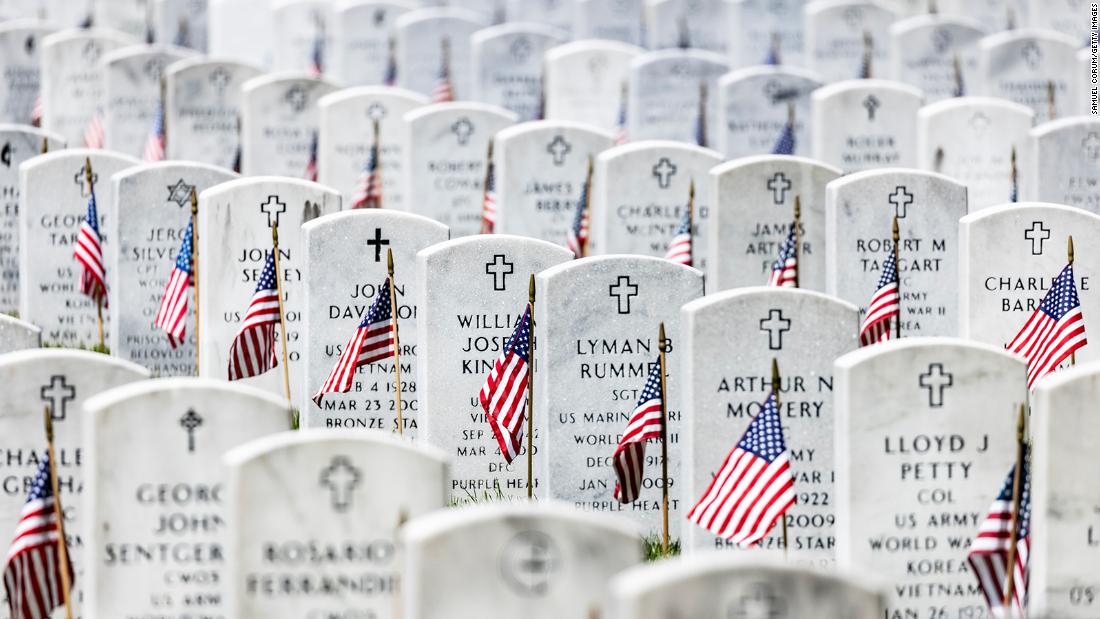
[489,201]
[785,144]
[444,91]
[253,350]
[645,424]
[620,121]
[317,55]
[576,239]
[311,165]
[172,315]
[373,341]
[1054,331]
[701,120]
[504,395]
[36,112]
[989,550]
[389,78]
[368,191]
[885,306]
[754,486]
[785,268]
[680,249]
[865,66]
[94,135]
[1014,191]
[89,253]
[236,167]
[773,57]
[155,143]
[32,574]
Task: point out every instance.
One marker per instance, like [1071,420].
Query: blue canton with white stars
[92,218]
[764,438]
[267,278]
[786,251]
[578,214]
[183,259]
[1062,296]
[785,145]
[1025,495]
[889,271]
[685,222]
[380,310]
[41,487]
[520,342]
[652,389]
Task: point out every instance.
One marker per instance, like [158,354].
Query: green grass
[105,350]
[653,547]
[496,495]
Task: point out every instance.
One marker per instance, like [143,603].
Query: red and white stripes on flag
[753,488]
[368,189]
[988,555]
[172,315]
[489,201]
[155,143]
[373,341]
[680,249]
[504,395]
[885,306]
[89,253]
[785,268]
[1054,331]
[645,424]
[94,135]
[253,350]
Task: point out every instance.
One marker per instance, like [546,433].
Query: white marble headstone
[664,96]
[20,52]
[181,22]
[300,26]
[609,20]
[507,67]
[344,272]
[420,34]
[129,16]
[1019,65]
[460,338]
[753,201]
[203,110]
[1061,163]
[754,110]
[925,435]
[132,92]
[361,34]
[729,342]
[703,23]
[859,209]
[834,38]
[150,215]
[585,79]
[554,13]
[769,20]
[279,122]
[241,30]
[596,327]
[17,334]
[1070,17]
[923,52]
[866,124]
[344,494]
[155,498]
[54,204]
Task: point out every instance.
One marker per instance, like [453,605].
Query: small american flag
[989,550]
[785,268]
[680,249]
[1014,192]
[620,123]
[237,160]
[504,395]
[444,90]
[154,144]
[36,112]
[311,165]
[317,54]
[645,424]
[577,237]
[785,144]
[253,350]
[753,488]
[89,253]
[172,315]
[865,63]
[373,341]
[773,57]
[94,135]
[960,86]
[32,574]
[1054,331]
[368,192]
[389,78]
[489,200]
[885,305]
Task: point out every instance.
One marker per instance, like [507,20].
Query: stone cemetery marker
[50,215]
[345,266]
[1000,289]
[664,96]
[729,342]
[923,51]
[585,80]
[859,209]
[352,492]
[181,22]
[719,586]
[754,110]
[1066,16]
[20,45]
[346,135]
[540,175]
[241,30]
[443,161]
[203,110]
[536,561]
[16,334]
[462,337]
[609,20]
[279,123]
[1065,505]
[835,33]
[971,139]
[156,518]
[632,215]
[995,14]
[419,39]
[150,215]
[770,21]
[1081,103]
[866,124]
[361,34]
[132,92]
[72,79]
[61,380]
[129,16]
[754,210]
[301,26]
[1020,65]
[1062,163]
[507,65]
[18,143]
[554,13]
[592,371]
[235,221]
[931,424]
[702,24]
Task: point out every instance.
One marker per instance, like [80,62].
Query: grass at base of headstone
[295,419]
[13,313]
[102,349]
[494,496]
[654,549]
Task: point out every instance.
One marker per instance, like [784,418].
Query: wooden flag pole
[531,391]
[1069,250]
[485,226]
[1050,100]
[582,242]
[282,314]
[377,161]
[396,346]
[957,66]
[661,347]
[897,239]
[1017,476]
[869,52]
[691,222]
[195,268]
[62,544]
[99,300]
[45,146]
[775,394]
[164,109]
[797,241]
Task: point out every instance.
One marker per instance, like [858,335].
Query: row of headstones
[929,423]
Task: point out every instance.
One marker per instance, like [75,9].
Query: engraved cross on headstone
[341,477]
[901,199]
[58,393]
[778,184]
[1037,234]
[760,602]
[463,129]
[377,242]
[1091,145]
[81,180]
[935,380]
[500,269]
[273,208]
[559,148]
[623,290]
[871,103]
[220,79]
[189,422]
[775,325]
[664,170]
[535,567]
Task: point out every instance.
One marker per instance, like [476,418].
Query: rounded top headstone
[744,162]
[464,106]
[870,175]
[113,397]
[268,445]
[845,86]
[349,95]
[642,145]
[591,45]
[907,346]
